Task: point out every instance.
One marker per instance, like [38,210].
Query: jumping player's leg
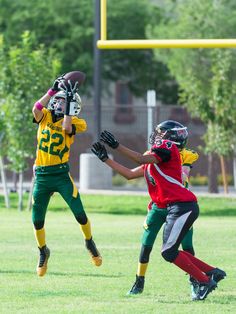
[69,192]
[178,222]
[41,197]
[152,225]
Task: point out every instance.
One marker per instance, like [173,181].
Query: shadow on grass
[83,275]
[17,272]
[211,299]
[60,273]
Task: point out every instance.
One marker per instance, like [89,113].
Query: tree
[26,74]
[206,77]
[128,20]
[68,27]
[2,153]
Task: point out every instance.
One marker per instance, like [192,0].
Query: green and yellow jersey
[188,157]
[53,142]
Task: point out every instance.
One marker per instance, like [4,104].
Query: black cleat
[216,274]
[194,287]
[138,286]
[204,289]
[44,254]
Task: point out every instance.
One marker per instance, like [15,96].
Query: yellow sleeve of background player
[80,124]
[188,157]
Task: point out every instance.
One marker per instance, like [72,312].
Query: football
[75,76]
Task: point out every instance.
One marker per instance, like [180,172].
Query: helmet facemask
[76,105]
[156,136]
[57,104]
[170,130]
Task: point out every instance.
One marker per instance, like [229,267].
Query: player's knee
[82,218]
[169,255]
[189,250]
[38,224]
[144,254]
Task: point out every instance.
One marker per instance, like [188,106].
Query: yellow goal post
[105,43]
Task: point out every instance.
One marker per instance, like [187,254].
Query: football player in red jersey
[156,216]
[163,173]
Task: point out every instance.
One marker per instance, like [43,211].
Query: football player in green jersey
[58,124]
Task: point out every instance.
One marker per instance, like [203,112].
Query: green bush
[229,178]
[203,180]
[199,180]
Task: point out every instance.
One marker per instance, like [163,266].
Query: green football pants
[156,217]
[50,181]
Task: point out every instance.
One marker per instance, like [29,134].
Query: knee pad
[38,224]
[169,255]
[82,218]
[144,254]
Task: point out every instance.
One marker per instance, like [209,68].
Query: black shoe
[138,286]
[95,255]
[44,254]
[216,274]
[203,289]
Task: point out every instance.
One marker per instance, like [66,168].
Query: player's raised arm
[43,101]
[100,151]
[109,139]
[70,90]
[39,105]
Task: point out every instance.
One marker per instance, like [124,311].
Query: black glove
[58,80]
[109,139]
[70,90]
[100,151]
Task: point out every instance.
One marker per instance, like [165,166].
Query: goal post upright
[103,12]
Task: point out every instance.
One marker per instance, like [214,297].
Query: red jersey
[164,179]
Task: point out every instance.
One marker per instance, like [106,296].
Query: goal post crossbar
[104,43]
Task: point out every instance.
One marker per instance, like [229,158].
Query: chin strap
[56,117]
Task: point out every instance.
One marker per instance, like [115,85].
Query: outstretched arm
[127,173]
[100,151]
[109,139]
[39,105]
[70,90]
[43,101]
[135,156]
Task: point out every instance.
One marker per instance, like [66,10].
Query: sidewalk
[130,190]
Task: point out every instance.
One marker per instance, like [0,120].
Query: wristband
[51,92]
[38,106]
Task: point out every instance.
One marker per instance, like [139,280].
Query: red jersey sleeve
[162,150]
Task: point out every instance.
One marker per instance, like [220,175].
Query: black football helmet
[170,130]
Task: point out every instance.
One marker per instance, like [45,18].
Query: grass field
[74,285]
[132,204]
